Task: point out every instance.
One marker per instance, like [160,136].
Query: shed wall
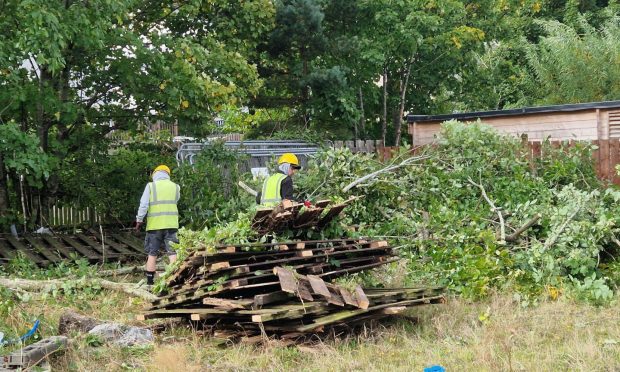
[587,125]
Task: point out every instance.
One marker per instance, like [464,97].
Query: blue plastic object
[23,338]
[434,369]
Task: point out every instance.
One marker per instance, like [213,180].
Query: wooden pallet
[295,216]
[284,289]
[44,250]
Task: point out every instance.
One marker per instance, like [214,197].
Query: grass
[492,335]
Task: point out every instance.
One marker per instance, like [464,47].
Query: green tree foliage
[568,66]
[21,161]
[71,71]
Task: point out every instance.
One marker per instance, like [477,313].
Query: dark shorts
[155,238]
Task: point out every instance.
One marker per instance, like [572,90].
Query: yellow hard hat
[289,158]
[162,167]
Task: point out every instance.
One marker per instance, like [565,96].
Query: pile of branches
[476,211]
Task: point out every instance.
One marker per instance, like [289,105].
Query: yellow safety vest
[163,212]
[270,196]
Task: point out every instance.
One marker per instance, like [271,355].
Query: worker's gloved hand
[307,204]
[138,225]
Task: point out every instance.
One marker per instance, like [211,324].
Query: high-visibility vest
[162,212]
[270,196]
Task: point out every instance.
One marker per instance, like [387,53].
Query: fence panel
[69,216]
[606,156]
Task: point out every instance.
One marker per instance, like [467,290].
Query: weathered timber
[84,250]
[226,303]
[59,247]
[42,249]
[25,250]
[346,314]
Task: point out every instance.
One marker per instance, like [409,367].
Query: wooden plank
[318,286]
[378,244]
[358,268]
[288,283]
[132,243]
[304,253]
[24,250]
[6,251]
[347,314]
[64,251]
[228,303]
[270,298]
[84,251]
[604,159]
[42,249]
[347,297]
[111,247]
[361,298]
[615,158]
[596,158]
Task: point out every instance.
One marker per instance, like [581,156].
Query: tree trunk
[362,117]
[4,189]
[384,122]
[404,82]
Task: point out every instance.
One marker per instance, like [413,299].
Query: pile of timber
[43,249]
[286,290]
[294,216]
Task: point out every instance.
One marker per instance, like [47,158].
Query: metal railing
[258,153]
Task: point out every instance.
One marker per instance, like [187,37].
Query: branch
[48,285]
[386,169]
[556,235]
[126,270]
[513,237]
[502,227]
[247,188]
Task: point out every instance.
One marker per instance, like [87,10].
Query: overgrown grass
[492,335]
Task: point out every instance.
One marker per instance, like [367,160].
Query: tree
[72,71]
[569,67]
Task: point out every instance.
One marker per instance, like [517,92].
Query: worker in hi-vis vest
[159,205]
[279,186]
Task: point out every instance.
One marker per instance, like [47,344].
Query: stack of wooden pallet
[284,289]
[294,216]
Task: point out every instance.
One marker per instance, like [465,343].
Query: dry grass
[555,336]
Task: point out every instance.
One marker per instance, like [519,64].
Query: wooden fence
[368,146]
[70,216]
[606,156]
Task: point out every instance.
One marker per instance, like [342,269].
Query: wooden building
[596,122]
[583,121]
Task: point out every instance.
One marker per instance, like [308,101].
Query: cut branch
[247,188]
[514,236]
[557,233]
[502,226]
[48,285]
[386,169]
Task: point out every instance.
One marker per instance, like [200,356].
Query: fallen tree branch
[386,169]
[127,270]
[48,285]
[502,227]
[514,236]
[247,188]
[556,235]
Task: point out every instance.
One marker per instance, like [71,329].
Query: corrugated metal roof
[511,112]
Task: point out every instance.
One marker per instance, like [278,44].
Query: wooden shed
[596,122]
[583,121]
